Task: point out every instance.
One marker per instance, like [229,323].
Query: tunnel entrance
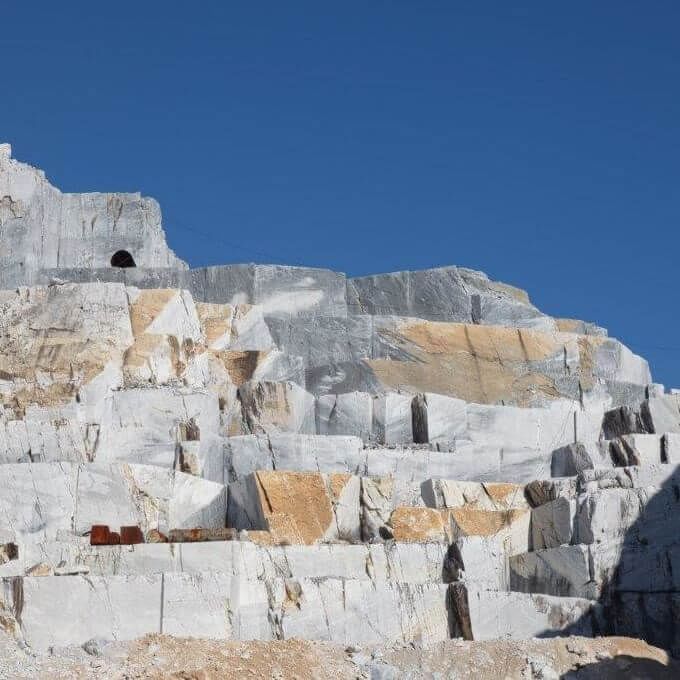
[122,259]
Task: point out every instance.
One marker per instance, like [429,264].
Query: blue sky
[539,142]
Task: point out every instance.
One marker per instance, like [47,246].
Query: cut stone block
[197,605]
[377,503]
[316,561]
[631,566]
[361,612]
[72,498]
[670,444]
[511,527]
[543,491]
[652,617]
[412,467]
[57,489]
[277,407]
[609,514]
[633,477]
[180,501]
[661,414]
[67,610]
[488,615]
[570,460]
[306,508]
[478,559]
[622,420]
[439,420]
[445,493]
[420,525]
[563,571]
[392,419]
[552,524]
[24,441]
[345,414]
[146,426]
[636,449]
[285,452]
[407,562]
[314,453]
[597,571]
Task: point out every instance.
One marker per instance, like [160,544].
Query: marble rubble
[267,452]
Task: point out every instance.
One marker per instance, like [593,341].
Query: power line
[249,251]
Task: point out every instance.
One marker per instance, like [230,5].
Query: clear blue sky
[539,142]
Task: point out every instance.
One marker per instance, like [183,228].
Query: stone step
[592,571]
[480,614]
[309,507]
[68,498]
[69,610]
[409,468]
[411,562]
[632,477]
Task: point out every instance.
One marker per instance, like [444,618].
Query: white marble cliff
[259,452]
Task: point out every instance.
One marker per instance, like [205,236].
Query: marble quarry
[259,452]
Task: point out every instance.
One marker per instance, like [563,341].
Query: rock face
[43,229]
[252,452]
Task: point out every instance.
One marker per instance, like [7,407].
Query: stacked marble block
[429,557]
[610,535]
[312,570]
[400,457]
[358,473]
[370,508]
